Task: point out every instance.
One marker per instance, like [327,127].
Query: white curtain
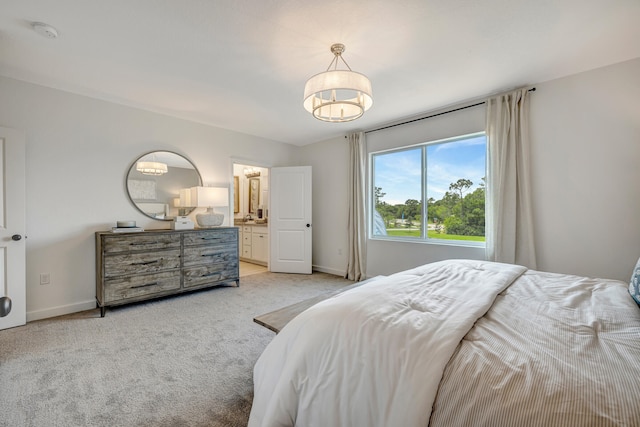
[357,228]
[509,225]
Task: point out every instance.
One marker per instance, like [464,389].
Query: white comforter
[374,355]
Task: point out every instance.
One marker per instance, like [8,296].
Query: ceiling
[242,64]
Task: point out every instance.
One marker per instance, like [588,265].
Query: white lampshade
[209,197]
[338,95]
[185,198]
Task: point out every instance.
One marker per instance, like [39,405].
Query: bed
[458,343]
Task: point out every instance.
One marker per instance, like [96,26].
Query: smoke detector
[45,30]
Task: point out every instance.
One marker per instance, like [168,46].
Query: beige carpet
[247,269]
[178,361]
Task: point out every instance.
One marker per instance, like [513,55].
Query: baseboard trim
[60,310]
[328,270]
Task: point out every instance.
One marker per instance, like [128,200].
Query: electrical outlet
[340,251]
[45,278]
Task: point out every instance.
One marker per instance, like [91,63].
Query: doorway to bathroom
[251,212]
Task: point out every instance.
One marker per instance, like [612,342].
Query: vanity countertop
[252,223]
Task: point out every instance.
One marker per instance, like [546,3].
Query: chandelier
[338,95]
[151,168]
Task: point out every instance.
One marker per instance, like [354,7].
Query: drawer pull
[143,243]
[221,239]
[223,257]
[210,274]
[145,285]
[146,262]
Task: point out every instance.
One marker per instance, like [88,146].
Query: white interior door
[12,226]
[290,220]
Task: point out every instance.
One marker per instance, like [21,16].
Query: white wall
[586,172]
[78,153]
[328,161]
[585,132]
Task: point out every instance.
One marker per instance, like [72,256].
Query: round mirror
[155,181]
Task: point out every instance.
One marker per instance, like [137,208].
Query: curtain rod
[533,89]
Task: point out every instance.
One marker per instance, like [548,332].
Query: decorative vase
[209,219]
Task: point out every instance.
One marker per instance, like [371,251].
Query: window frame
[423,239]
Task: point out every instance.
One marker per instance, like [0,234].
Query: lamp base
[209,219]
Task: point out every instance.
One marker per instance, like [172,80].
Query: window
[449,174]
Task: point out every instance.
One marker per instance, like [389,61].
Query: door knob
[308,225]
[5,306]
[16,237]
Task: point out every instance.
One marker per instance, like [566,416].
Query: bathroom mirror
[154,182]
[254,195]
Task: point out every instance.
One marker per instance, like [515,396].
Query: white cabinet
[246,242]
[254,245]
[259,244]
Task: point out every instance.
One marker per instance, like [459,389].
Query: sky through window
[399,173]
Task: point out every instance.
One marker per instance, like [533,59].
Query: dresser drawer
[212,237]
[140,285]
[140,263]
[214,254]
[194,276]
[140,242]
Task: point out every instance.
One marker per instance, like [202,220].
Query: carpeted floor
[178,361]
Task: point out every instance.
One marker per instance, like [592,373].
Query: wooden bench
[276,320]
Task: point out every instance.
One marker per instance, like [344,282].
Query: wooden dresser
[138,266]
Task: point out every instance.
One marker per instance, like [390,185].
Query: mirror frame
[236,194]
[133,164]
